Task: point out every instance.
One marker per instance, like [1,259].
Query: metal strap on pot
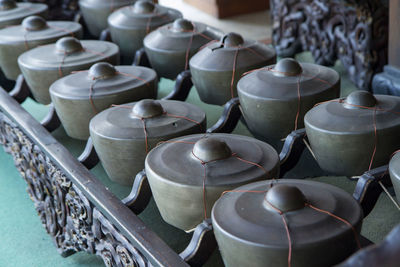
[144,122]
[204,164]
[285,221]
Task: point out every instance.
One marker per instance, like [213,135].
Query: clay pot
[78,97]
[119,136]
[273,97]
[342,132]
[250,230]
[44,65]
[212,67]
[12,13]
[394,171]
[96,12]
[167,46]
[129,25]
[34,31]
[176,171]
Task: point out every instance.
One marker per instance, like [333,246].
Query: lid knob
[102,70]
[210,149]
[182,25]
[232,40]
[68,45]
[147,108]
[34,23]
[143,7]
[287,67]
[7,4]
[284,198]
[359,99]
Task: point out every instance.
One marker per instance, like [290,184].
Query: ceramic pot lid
[142,15]
[179,161]
[35,28]
[249,217]
[355,114]
[280,81]
[11,10]
[113,4]
[162,118]
[219,56]
[104,79]
[66,52]
[177,35]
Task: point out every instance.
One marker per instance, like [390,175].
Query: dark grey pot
[119,139]
[342,135]
[33,32]
[250,232]
[76,105]
[270,98]
[129,25]
[12,13]
[176,173]
[212,67]
[167,46]
[44,65]
[96,12]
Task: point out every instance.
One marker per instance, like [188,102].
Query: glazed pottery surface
[394,171]
[12,13]
[342,132]
[275,98]
[213,67]
[96,12]
[34,31]
[119,135]
[44,65]
[78,97]
[250,230]
[129,25]
[170,47]
[177,170]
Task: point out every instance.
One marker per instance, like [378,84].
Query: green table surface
[24,241]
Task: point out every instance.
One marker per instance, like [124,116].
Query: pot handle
[89,156]
[141,58]
[183,84]
[140,194]
[51,122]
[229,118]
[21,90]
[201,245]
[368,188]
[292,150]
[105,35]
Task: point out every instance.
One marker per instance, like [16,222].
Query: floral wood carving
[67,215]
[356,32]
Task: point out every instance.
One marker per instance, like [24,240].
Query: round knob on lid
[287,67]
[102,70]
[147,108]
[359,99]
[284,198]
[210,149]
[143,7]
[34,23]
[232,40]
[7,4]
[182,25]
[68,45]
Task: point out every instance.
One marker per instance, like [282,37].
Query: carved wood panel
[355,32]
[67,215]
